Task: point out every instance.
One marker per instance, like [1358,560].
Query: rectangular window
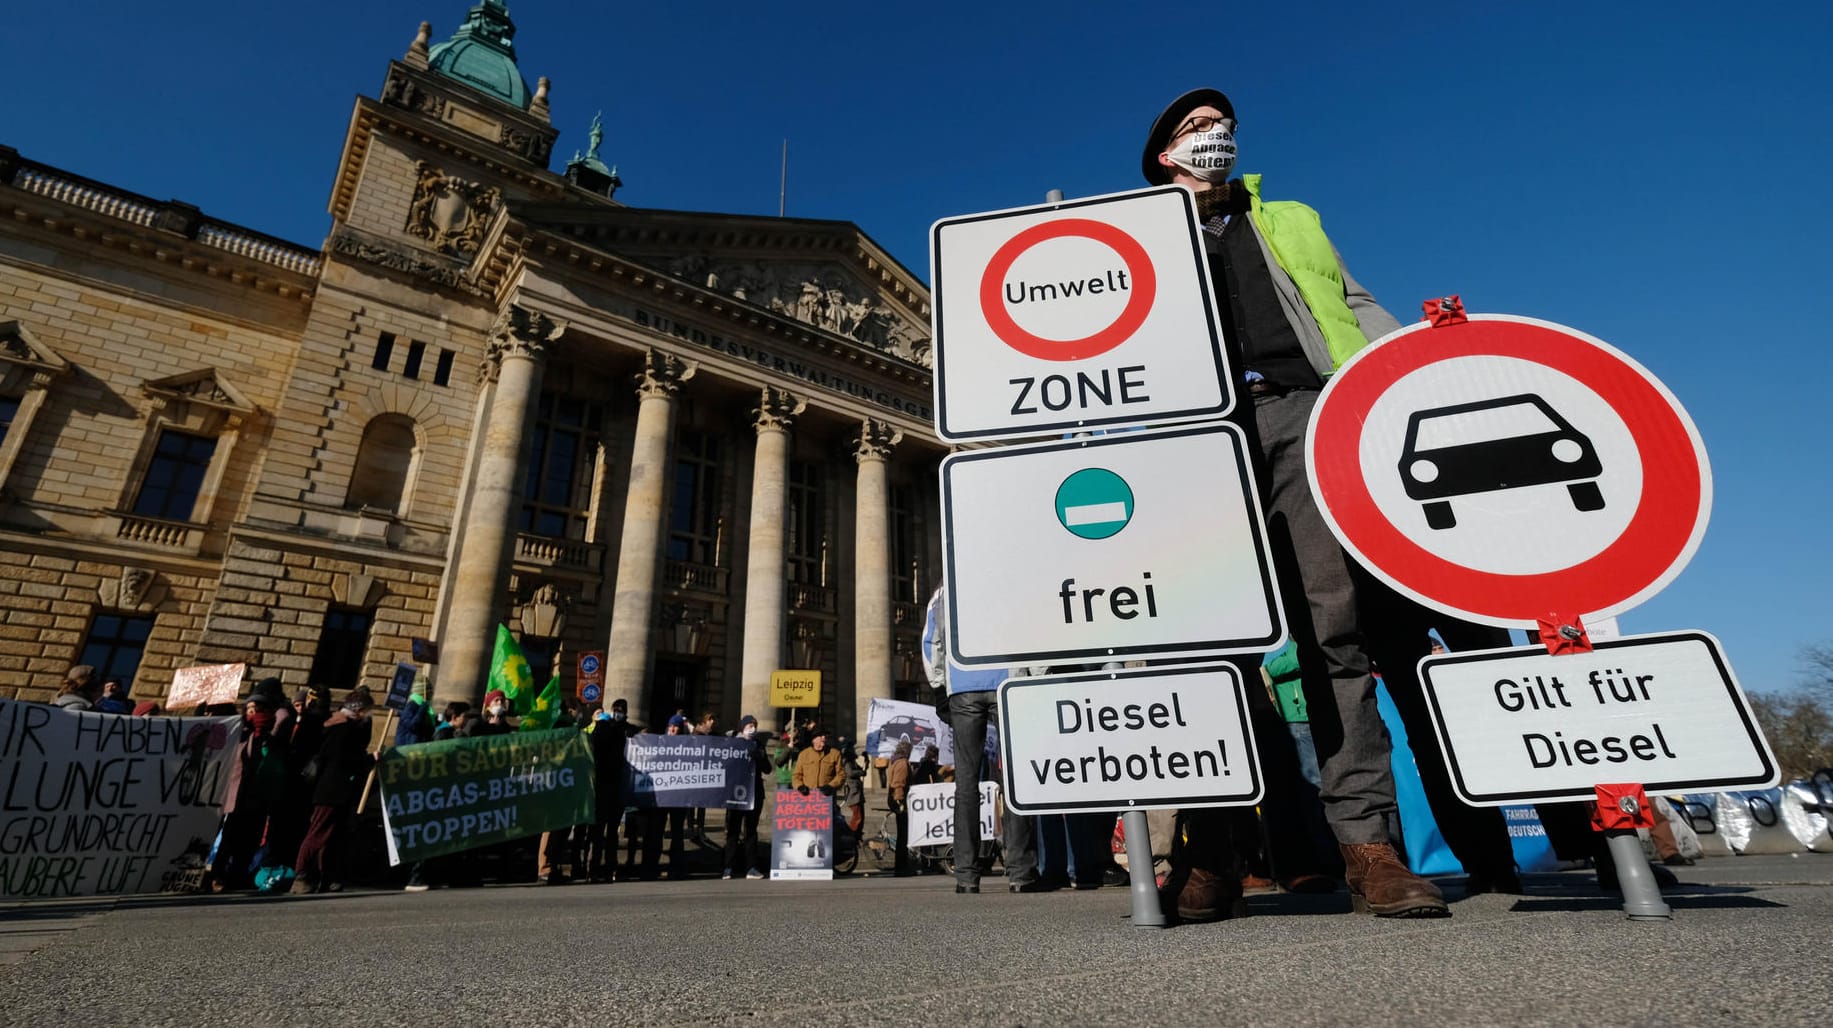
[904,584]
[385,349]
[174,476]
[415,351]
[115,645]
[442,371]
[9,413]
[557,490]
[807,522]
[693,517]
[338,663]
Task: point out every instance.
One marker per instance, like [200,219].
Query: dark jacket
[343,761]
[609,762]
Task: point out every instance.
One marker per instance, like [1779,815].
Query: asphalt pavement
[1748,945]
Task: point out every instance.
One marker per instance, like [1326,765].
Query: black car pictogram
[1488,445]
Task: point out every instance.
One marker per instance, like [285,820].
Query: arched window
[383,463]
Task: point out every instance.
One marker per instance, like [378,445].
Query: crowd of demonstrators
[339,772]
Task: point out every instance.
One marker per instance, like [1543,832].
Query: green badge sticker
[1094,503]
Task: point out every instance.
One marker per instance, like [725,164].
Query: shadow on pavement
[1719,900]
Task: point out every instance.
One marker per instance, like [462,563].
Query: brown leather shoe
[1209,897]
[1380,884]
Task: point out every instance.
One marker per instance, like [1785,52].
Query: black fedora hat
[1167,123]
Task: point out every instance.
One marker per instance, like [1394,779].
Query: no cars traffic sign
[1091,313]
[1504,468]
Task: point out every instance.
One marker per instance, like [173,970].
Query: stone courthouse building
[697,442]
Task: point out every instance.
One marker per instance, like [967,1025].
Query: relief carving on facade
[520,332]
[777,409]
[449,212]
[402,92]
[821,296]
[347,244]
[532,145]
[141,589]
[545,612]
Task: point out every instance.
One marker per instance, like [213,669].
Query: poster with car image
[802,836]
[889,722]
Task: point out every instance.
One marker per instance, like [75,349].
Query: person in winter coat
[343,764]
[114,698]
[819,766]
[81,689]
[897,783]
[256,786]
[741,825]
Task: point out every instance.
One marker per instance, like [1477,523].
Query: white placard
[1138,544]
[1092,313]
[1128,740]
[932,814]
[1663,711]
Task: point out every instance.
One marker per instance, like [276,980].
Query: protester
[81,689]
[971,701]
[561,847]
[707,724]
[741,856]
[114,698]
[452,720]
[415,723]
[672,820]
[496,719]
[256,786]
[342,771]
[287,825]
[818,767]
[897,788]
[610,732]
[1296,314]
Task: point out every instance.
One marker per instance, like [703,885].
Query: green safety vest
[1295,235]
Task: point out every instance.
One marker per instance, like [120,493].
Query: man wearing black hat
[1293,315]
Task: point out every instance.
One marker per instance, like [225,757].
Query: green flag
[509,672]
[546,707]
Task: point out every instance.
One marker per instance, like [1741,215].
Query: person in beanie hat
[819,766]
[343,771]
[1295,315]
[741,856]
[496,717]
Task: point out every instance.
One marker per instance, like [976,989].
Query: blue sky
[1652,174]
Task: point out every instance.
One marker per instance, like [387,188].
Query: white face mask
[496,709]
[617,715]
[1208,156]
[750,731]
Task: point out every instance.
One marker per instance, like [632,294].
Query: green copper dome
[481,54]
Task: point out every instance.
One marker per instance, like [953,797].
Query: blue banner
[690,771]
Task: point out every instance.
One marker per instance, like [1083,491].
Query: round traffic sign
[590,694]
[1504,468]
[588,664]
[1094,503]
[1143,291]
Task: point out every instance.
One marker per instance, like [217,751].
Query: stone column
[480,570]
[639,552]
[764,565]
[872,570]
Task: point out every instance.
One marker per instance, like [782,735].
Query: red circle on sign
[1133,255]
[1659,539]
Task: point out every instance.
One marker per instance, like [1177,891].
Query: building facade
[697,442]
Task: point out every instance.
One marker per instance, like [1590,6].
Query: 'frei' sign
[1122,740]
[795,688]
[1144,543]
[1663,710]
[1092,313]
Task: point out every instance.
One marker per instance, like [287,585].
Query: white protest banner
[932,814]
[889,722]
[205,683]
[107,805]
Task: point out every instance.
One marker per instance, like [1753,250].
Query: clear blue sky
[1653,174]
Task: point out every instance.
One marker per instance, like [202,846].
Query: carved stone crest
[450,213]
[137,589]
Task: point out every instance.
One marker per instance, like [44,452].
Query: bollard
[1641,896]
[1144,885]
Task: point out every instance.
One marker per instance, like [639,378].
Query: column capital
[875,440]
[520,332]
[777,409]
[663,374]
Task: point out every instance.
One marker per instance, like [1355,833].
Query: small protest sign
[795,689]
[205,683]
[400,687]
[425,651]
[802,836]
[689,771]
[105,805]
[932,814]
[459,794]
[889,722]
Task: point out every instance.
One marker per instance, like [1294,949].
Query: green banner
[446,797]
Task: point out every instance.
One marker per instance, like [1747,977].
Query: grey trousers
[969,713]
[1356,779]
